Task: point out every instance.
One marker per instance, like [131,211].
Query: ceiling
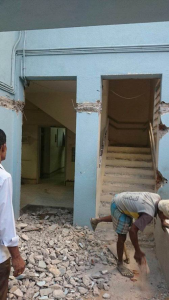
[51,86]
[42,14]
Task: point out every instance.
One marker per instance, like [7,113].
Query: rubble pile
[59,259]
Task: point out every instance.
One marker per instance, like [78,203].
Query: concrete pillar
[11,123]
[163,162]
[11,106]
[87,148]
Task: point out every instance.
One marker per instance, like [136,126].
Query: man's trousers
[4,276]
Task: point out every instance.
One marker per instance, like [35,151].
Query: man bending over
[141,206]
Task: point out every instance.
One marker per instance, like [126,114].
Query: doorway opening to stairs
[131,139]
[48,144]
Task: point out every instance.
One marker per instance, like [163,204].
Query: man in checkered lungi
[141,206]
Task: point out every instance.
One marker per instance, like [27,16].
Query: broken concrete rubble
[58,259]
[89,107]
[163,129]
[12,104]
[164,108]
[90,271]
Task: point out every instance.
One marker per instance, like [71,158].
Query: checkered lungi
[121,222]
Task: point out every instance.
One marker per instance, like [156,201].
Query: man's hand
[139,257]
[17,261]
[19,265]
[164,225]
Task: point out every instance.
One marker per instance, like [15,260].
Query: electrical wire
[128,98]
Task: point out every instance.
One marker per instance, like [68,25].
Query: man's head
[163,209]
[3,147]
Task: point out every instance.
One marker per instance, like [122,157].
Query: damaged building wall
[104,112]
[163,155]
[161,238]
[91,54]
[11,107]
[87,148]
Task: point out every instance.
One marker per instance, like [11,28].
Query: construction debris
[12,104]
[164,108]
[89,107]
[59,259]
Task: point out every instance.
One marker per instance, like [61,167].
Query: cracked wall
[160,130]
[17,106]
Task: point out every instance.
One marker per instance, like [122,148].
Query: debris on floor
[59,257]
[73,263]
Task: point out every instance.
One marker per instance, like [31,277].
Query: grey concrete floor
[151,287]
[49,192]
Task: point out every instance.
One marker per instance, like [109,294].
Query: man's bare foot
[94,223]
[124,271]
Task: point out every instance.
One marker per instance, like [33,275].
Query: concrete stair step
[130,156]
[104,212]
[106,197]
[128,163]
[120,178]
[129,149]
[128,171]
[124,187]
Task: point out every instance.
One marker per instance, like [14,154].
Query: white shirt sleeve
[8,235]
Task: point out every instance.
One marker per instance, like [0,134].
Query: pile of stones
[59,259]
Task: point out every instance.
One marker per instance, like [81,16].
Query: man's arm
[17,261]
[139,255]
[139,224]
[8,235]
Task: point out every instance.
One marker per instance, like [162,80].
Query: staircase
[126,169]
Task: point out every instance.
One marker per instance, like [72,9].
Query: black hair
[2,138]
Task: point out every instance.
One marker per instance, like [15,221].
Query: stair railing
[153,148]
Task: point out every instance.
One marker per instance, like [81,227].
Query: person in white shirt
[8,238]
